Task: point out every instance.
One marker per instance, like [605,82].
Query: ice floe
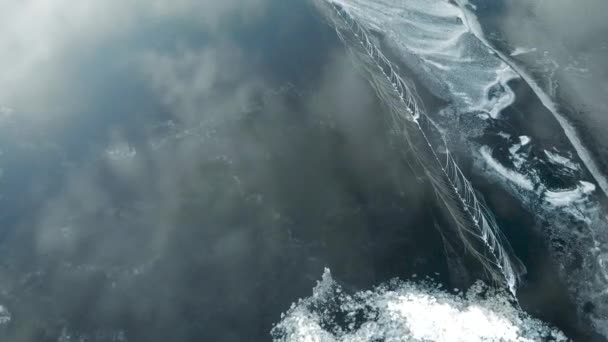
[408,311]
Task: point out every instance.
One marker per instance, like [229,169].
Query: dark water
[187,183]
[158,207]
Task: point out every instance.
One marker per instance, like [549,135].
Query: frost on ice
[407,311]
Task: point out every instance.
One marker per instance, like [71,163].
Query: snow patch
[560,160]
[408,311]
[498,103]
[567,197]
[521,51]
[515,177]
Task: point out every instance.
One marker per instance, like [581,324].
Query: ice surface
[472,220]
[438,43]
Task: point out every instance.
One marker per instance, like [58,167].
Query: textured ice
[569,130]
[408,311]
[567,197]
[561,160]
[437,42]
[514,177]
[524,140]
[473,222]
